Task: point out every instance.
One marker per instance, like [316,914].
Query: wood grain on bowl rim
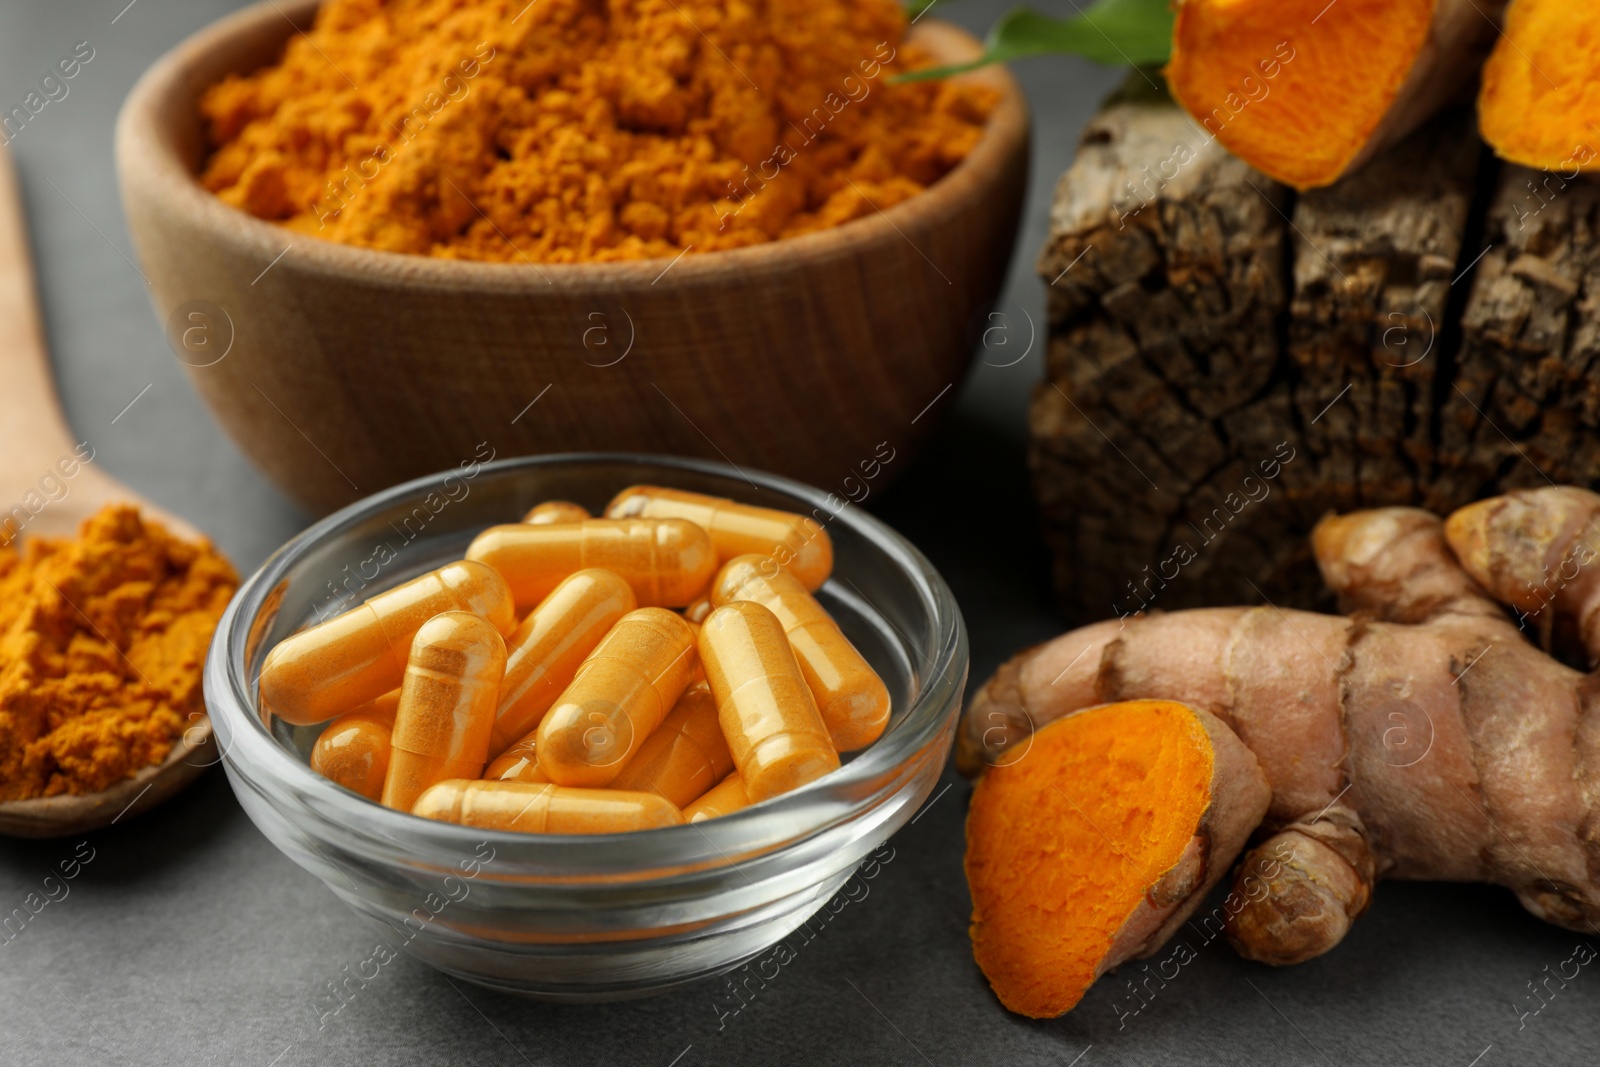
[352,369]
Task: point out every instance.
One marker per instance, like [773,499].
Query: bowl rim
[146,156]
[249,750]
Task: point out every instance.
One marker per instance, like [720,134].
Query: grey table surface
[187,938]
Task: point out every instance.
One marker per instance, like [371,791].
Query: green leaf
[1113,32]
[915,8]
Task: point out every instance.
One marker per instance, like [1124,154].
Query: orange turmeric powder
[101,642]
[572,130]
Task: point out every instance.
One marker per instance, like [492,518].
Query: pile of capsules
[602,711]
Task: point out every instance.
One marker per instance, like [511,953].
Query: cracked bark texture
[1229,362]
[1525,408]
[1166,270]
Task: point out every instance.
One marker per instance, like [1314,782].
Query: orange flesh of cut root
[1064,843]
[1295,88]
[1540,102]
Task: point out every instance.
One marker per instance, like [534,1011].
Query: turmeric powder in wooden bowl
[388,238]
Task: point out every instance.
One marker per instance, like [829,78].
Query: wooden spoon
[34,438]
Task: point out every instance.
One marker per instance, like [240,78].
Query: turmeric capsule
[555,511]
[667,562]
[767,711]
[446,711]
[852,698]
[544,808]
[725,798]
[699,675]
[697,612]
[548,646]
[619,696]
[795,541]
[334,666]
[353,750]
[519,763]
[685,756]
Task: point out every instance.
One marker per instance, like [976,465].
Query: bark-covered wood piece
[1375,257]
[1165,267]
[1524,409]
[1230,362]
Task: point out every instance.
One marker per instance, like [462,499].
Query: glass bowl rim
[252,753]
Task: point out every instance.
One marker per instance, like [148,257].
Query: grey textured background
[188,939]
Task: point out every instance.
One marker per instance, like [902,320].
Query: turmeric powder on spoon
[559,131]
[102,638]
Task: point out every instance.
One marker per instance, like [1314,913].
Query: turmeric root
[1057,900]
[1539,95]
[1421,735]
[1533,550]
[1307,90]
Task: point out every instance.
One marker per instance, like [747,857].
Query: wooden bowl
[65,816]
[341,370]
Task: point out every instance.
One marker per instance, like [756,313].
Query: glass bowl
[595,917]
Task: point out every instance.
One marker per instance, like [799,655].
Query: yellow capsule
[619,696]
[698,677]
[724,798]
[852,698]
[555,511]
[547,648]
[697,612]
[685,756]
[519,763]
[669,563]
[796,541]
[352,658]
[446,712]
[767,711]
[353,750]
[545,808]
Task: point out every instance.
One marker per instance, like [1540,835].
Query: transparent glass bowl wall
[585,917]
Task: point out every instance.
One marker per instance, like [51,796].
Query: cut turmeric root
[1540,100]
[1422,735]
[1307,90]
[1097,843]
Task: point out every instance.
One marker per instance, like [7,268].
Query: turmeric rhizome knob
[353,750]
[667,562]
[519,763]
[853,700]
[768,714]
[619,696]
[545,808]
[446,712]
[685,756]
[795,541]
[546,649]
[725,798]
[355,657]
[555,511]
